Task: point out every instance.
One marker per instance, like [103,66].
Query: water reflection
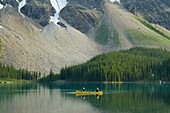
[60,98]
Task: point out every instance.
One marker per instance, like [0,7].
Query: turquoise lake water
[61,98]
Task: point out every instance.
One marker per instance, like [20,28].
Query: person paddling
[83,89]
[97,89]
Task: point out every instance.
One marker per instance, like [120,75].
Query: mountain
[87,14]
[154,11]
[112,26]
[26,45]
[120,29]
[41,11]
[40,35]
[83,19]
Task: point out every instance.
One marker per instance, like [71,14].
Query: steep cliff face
[167,2]
[39,10]
[155,11]
[13,3]
[83,14]
[80,17]
[89,12]
[90,4]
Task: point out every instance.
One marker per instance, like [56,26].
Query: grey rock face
[81,18]
[90,4]
[39,10]
[167,2]
[155,11]
[13,3]
[83,14]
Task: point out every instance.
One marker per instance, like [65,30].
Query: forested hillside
[9,72]
[137,64]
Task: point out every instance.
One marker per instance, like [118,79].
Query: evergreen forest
[9,72]
[136,64]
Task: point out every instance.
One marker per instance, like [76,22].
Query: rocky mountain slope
[84,19]
[87,14]
[113,26]
[41,11]
[33,37]
[121,29]
[155,11]
[25,45]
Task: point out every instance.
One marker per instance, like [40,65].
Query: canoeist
[97,89]
[83,89]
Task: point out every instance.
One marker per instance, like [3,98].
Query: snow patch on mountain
[115,1]
[1,6]
[21,4]
[58,6]
[1,27]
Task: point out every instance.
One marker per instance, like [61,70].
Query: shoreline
[11,81]
[109,82]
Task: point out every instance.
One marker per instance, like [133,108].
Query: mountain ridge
[154,11]
[102,27]
[35,49]
[125,31]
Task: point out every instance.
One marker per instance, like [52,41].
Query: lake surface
[61,98]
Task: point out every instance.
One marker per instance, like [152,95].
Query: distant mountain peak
[1,4]
[1,27]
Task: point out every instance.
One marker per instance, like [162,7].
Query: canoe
[78,93]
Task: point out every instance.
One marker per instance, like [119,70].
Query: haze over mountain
[40,35]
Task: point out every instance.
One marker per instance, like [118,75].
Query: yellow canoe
[79,93]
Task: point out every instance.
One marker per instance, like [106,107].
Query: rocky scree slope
[112,26]
[26,46]
[119,29]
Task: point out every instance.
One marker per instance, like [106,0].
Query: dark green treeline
[50,78]
[136,64]
[9,72]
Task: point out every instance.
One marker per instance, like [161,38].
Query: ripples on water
[60,98]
